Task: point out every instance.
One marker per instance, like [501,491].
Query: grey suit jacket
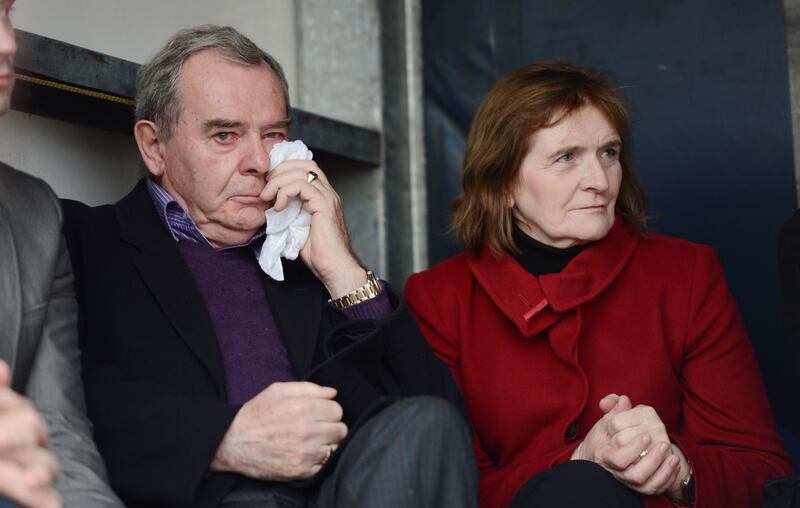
[38,332]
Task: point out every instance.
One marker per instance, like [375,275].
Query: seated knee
[432,414]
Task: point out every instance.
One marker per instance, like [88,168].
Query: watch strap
[361,294]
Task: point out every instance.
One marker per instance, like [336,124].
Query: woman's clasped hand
[633,445]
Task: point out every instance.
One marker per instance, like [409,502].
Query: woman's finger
[662,478]
[649,461]
[621,458]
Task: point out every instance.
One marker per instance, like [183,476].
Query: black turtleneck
[540,259]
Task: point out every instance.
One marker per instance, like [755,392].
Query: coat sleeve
[443,340]
[370,358]
[411,359]
[421,303]
[55,388]
[728,432]
[158,444]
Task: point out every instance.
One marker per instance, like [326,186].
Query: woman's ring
[311,177]
[644,453]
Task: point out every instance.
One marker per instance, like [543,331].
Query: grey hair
[157,99]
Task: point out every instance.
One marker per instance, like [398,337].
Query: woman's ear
[151,146]
[508,199]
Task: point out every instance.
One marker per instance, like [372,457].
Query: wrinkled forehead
[586,125]
[211,82]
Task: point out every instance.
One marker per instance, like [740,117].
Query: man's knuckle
[305,431]
[295,406]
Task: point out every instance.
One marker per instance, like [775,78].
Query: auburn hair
[519,104]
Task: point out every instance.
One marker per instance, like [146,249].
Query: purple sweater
[253,353]
[231,283]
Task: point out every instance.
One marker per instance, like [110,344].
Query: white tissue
[287,230]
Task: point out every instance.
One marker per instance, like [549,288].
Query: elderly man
[38,338]
[209,383]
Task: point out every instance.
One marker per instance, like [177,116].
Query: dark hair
[157,98]
[518,105]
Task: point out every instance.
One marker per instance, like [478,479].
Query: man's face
[8,47]
[216,161]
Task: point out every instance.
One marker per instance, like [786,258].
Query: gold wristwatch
[361,294]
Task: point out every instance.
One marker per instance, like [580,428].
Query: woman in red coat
[597,360]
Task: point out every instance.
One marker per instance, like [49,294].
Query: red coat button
[572,432]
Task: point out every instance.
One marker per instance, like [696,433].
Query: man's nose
[257,158]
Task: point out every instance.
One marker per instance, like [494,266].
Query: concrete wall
[95,166]
[136,30]
[339,75]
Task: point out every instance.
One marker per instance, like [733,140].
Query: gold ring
[644,453]
[312,176]
[327,456]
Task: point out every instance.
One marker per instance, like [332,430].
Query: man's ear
[151,146]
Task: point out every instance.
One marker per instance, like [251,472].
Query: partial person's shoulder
[19,186]
[76,212]
[75,209]
[84,224]
[25,195]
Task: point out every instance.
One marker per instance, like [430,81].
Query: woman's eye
[567,157]
[611,152]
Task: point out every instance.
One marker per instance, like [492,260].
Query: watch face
[689,490]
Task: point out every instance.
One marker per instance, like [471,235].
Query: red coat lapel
[533,303]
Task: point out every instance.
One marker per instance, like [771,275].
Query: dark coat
[152,365]
[652,319]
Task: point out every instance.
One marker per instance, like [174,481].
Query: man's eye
[224,136]
[275,135]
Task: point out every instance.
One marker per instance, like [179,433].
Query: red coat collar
[535,303]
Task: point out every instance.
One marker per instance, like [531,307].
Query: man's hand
[284,433]
[633,445]
[327,251]
[27,469]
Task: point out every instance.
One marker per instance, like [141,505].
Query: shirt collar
[181,225]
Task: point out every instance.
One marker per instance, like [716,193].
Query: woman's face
[569,180]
